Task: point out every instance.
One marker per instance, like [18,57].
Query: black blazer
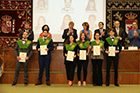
[65,36]
[122,34]
[104,36]
[30,37]
[118,46]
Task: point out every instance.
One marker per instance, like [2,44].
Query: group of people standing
[102,38]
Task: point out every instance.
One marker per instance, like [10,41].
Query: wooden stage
[129,68]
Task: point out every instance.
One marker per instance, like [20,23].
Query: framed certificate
[43,50]
[112,51]
[70,56]
[82,55]
[22,55]
[96,50]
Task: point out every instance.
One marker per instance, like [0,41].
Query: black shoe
[14,83]
[99,84]
[25,83]
[94,85]
[117,85]
[107,84]
[48,84]
[38,83]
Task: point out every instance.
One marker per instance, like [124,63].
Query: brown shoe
[48,84]
[38,83]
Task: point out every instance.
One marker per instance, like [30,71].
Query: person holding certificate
[70,52]
[112,50]
[44,47]
[97,49]
[83,51]
[23,52]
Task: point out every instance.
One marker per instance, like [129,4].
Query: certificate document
[43,50]
[96,50]
[82,55]
[22,55]
[112,51]
[70,56]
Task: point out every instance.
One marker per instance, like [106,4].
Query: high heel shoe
[79,83]
[84,83]
[69,85]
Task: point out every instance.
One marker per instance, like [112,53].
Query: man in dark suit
[44,60]
[70,31]
[102,31]
[119,32]
[30,33]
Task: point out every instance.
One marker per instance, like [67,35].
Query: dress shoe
[48,84]
[14,83]
[25,83]
[38,83]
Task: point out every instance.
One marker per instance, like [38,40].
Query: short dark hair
[111,29]
[45,29]
[101,23]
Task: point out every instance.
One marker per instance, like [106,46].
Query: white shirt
[24,41]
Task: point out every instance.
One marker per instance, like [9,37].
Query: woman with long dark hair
[83,46]
[70,46]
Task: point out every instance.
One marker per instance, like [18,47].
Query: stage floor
[62,88]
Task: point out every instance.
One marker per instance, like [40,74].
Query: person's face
[92,20]
[97,36]
[84,27]
[26,26]
[91,4]
[41,21]
[66,20]
[134,25]
[67,3]
[71,38]
[41,3]
[83,36]
[117,24]
[111,33]
[25,35]
[101,25]
[45,33]
[46,27]
[71,26]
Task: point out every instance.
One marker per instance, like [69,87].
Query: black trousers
[115,63]
[82,64]
[70,69]
[97,71]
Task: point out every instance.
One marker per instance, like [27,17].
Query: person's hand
[18,58]
[78,54]
[116,51]
[91,49]
[66,55]
[69,32]
[136,34]
[101,50]
[27,58]
[38,49]
[72,31]
[74,56]
[47,49]
[86,32]
[86,53]
[103,33]
[107,52]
